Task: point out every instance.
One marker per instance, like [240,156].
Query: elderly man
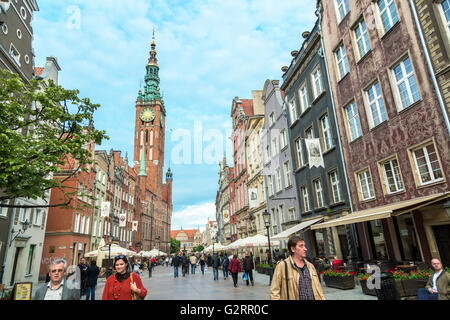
[438,286]
[57,288]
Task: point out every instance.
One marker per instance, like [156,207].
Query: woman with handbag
[123,285]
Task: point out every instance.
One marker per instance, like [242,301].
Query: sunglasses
[57,271]
[120,257]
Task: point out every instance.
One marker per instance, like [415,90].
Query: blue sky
[208,51]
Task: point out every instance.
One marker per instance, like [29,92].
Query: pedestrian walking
[234,267]
[184,264]
[176,264]
[248,267]
[92,275]
[193,260]
[123,285]
[215,265]
[209,260]
[136,268]
[57,288]
[295,278]
[167,261]
[202,263]
[83,269]
[225,263]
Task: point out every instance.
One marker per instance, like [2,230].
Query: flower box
[411,286]
[365,290]
[339,280]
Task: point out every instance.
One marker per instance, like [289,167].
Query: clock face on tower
[147,114]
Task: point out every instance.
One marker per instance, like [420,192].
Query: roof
[189,233]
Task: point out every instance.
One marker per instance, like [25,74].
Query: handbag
[244,276]
[134,296]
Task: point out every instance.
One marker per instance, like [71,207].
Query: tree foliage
[174,245]
[42,126]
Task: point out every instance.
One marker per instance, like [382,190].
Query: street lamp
[25,225]
[109,271]
[266,216]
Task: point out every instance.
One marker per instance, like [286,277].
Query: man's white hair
[57,261]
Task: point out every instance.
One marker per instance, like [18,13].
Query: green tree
[42,126]
[198,248]
[174,245]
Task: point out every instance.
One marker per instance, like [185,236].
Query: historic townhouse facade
[280,189]
[223,208]
[100,187]
[394,138]
[240,110]
[322,187]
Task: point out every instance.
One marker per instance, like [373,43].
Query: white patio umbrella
[257,241]
[115,251]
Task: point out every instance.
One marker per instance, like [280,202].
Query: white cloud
[194,216]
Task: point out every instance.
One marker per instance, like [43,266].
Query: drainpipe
[430,66]
[352,226]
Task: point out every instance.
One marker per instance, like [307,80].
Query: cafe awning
[381,212]
[287,233]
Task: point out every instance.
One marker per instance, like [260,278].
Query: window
[405,84]
[365,183]
[83,224]
[283,139]
[80,191]
[271,190]
[14,54]
[38,215]
[427,164]
[335,186]
[287,174]
[292,111]
[305,199]
[292,214]
[274,146]
[278,179]
[30,258]
[377,112]
[317,83]
[268,153]
[281,213]
[24,214]
[388,14]
[299,157]
[4,210]
[326,132]
[392,177]
[353,121]
[77,223]
[445,5]
[362,39]
[342,8]
[342,62]
[319,193]
[309,133]
[271,119]
[303,94]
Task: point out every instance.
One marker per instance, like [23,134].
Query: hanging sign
[135,226]
[105,209]
[315,157]
[122,220]
[226,216]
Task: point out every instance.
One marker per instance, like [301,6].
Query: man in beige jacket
[295,278]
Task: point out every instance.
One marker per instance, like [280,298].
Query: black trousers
[235,278]
[249,275]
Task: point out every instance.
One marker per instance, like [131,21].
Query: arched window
[146,136]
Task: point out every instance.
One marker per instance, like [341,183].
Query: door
[442,236]
[13,274]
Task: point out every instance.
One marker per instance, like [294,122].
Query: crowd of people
[294,278]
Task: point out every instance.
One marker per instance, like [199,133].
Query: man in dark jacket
[209,260]
[248,267]
[92,275]
[83,269]
[215,264]
[176,265]
[225,263]
[184,264]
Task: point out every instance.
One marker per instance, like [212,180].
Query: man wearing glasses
[58,288]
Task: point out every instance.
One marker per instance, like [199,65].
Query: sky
[208,51]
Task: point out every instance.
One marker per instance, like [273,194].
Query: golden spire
[152,60]
[153,39]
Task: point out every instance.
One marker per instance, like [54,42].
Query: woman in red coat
[123,285]
[234,267]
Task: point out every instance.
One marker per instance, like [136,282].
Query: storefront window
[320,242]
[379,245]
[407,236]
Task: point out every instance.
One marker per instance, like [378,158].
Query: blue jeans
[90,292]
[175,272]
[193,268]
[216,273]
[225,272]
[202,267]
[424,294]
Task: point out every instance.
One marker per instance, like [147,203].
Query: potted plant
[399,276]
[339,280]
[363,277]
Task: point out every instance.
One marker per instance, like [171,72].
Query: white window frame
[76,227]
[15,54]
[376,104]
[4,210]
[83,223]
[428,165]
[341,60]
[303,96]
[335,186]
[271,189]
[319,193]
[367,183]
[386,9]
[444,17]
[299,153]
[278,184]
[344,5]
[404,80]
[88,221]
[287,174]
[283,139]
[326,133]
[271,119]
[316,78]
[293,110]
[305,198]
[353,123]
[274,146]
[396,176]
[292,214]
[362,41]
